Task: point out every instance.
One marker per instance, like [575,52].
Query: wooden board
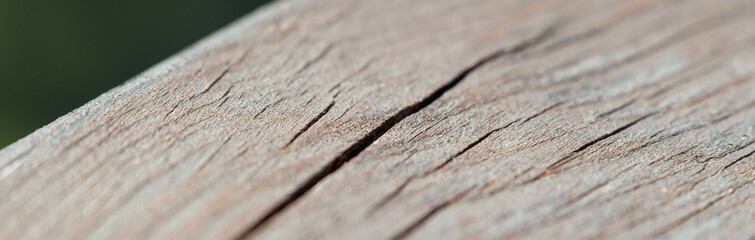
[428,119]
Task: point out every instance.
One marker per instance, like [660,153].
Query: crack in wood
[225,95]
[392,195]
[386,125]
[361,69]
[227,69]
[317,58]
[584,194]
[266,107]
[738,159]
[440,207]
[619,108]
[467,148]
[398,190]
[571,156]
[688,32]
[210,85]
[664,230]
[311,122]
[551,107]
[217,79]
[204,163]
[727,152]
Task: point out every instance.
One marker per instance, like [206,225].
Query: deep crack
[386,125]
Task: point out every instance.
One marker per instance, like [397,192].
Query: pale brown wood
[427,119]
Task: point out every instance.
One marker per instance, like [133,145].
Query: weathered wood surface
[419,119]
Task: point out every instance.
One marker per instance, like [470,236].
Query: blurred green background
[57,55]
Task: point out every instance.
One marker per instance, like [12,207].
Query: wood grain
[428,119]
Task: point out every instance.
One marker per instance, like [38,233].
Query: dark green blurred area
[57,55]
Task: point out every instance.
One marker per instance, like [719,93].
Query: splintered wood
[426,119]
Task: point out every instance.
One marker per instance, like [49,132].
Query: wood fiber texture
[422,119]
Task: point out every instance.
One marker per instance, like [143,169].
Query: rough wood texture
[427,119]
